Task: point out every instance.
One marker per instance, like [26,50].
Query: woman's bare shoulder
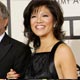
[64,52]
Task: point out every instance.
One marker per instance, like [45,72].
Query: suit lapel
[4,50]
[5,45]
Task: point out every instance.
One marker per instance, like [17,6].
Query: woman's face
[42,21]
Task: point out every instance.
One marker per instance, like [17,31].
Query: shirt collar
[1,36]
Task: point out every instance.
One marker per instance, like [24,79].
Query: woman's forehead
[38,9]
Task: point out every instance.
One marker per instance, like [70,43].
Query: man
[13,54]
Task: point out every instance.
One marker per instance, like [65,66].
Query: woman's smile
[40,27]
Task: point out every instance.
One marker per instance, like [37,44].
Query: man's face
[3,23]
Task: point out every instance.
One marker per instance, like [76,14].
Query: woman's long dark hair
[55,10]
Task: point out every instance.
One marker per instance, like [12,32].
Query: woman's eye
[33,16]
[45,15]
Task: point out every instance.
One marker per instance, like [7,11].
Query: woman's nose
[39,20]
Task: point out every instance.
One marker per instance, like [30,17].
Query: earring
[54,25]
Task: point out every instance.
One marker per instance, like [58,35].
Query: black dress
[43,66]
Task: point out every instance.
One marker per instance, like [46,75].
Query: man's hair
[4,13]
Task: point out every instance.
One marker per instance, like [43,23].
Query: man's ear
[6,22]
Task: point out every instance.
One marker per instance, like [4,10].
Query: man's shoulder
[16,42]
[20,45]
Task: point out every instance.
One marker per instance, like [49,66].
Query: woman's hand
[12,74]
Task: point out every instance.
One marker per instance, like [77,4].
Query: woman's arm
[67,63]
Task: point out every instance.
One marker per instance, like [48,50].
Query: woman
[52,58]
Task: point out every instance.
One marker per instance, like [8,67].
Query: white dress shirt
[1,36]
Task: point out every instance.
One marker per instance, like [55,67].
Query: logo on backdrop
[69,1]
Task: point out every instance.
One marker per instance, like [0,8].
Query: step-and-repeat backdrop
[71,26]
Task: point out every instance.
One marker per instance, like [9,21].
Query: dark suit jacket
[13,54]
